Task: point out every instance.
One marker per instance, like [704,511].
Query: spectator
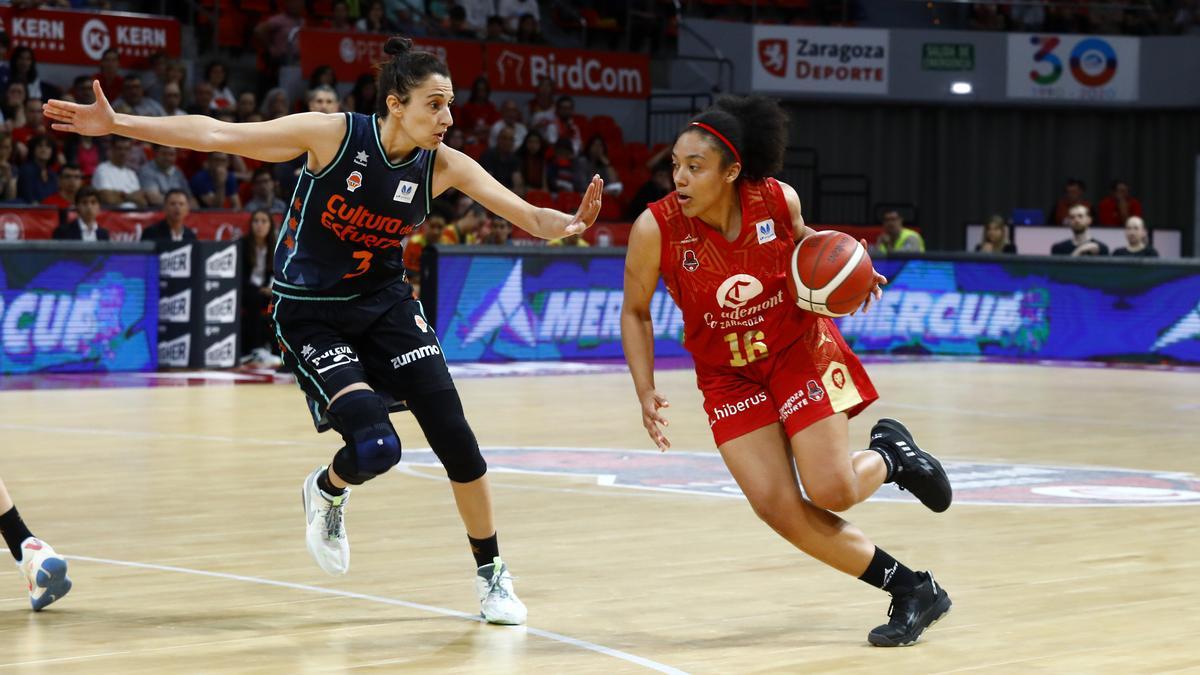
[1028,18]
[896,237]
[1079,219]
[133,95]
[510,118]
[340,20]
[496,232]
[23,69]
[84,151]
[987,16]
[362,99]
[511,12]
[995,237]
[8,170]
[257,266]
[1073,195]
[110,78]
[276,39]
[217,75]
[172,100]
[175,74]
[374,20]
[432,233]
[502,161]
[457,25]
[1118,206]
[172,227]
[323,98]
[34,124]
[70,180]
[215,186]
[154,78]
[455,138]
[264,198]
[596,162]
[81,90]
[117,183]
[542,106]
[477,13]
[323,75]
[469,227]
[246,108]
[37,179]
[478,113]
[1138,239]
[86,226]
[160,176]
[660,185]
[12,110]
[528,31]
[275,104]
[565,172]
[287,174]
[564,125]
[1187,18]
[532,168]
[202,99]
[495,30]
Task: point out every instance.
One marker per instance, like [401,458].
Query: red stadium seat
[540,198]
[636,155]
[475,150]
[568,201]
[610,209]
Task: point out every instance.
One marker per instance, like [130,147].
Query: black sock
[484,550]
[14,531]
[887,573]
[889,460]
[327,487]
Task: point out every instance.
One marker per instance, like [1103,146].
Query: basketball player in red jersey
[779,384]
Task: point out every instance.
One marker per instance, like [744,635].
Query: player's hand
[876,290]
[589,208]
[652,402]
[96,119]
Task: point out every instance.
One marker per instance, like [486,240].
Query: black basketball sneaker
[911,613]
[916,471]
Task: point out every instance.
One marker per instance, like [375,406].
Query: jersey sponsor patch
[738,290]
[361,158]
[354,181]
[690,263]
[405,192]
[420,321]
[766,231]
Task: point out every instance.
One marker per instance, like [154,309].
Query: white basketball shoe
[45,571]
[498,602]
[326,520]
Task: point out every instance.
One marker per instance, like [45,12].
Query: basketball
[831,274]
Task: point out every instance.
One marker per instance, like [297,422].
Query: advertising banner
[199,309]
[819,60]
[40,222]
[577,72]
[352,53]
[81,38]
[541,307]
[77,310]
[1034,309]
[1076,68]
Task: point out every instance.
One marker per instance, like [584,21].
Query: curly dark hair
[756,126]
[404,70]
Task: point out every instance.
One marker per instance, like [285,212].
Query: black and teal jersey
[345,226]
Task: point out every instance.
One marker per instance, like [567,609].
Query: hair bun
[397,45]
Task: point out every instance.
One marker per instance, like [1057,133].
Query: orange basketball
[830,274]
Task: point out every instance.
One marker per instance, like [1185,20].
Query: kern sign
[574,71]
[1073,68]
[791,59]
[352,53]
[81,38]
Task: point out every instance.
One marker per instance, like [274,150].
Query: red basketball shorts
[809,380]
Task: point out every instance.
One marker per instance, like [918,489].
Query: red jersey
[733,295]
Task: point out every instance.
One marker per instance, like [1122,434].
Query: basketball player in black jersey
[345,316]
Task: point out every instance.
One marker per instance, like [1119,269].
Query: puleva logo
[773,55]
[738,290]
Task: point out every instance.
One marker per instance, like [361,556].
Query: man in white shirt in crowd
[510,118]
[117,183]
[162,175]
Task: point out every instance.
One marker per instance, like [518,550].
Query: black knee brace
[441,417]
[372,446]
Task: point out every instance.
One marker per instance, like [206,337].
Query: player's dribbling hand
[652,419]
[589,208]
[876,290]
[95,119]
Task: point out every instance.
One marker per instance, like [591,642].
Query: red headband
[736,157]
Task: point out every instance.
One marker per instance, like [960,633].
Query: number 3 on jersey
[747,348]
[364,264]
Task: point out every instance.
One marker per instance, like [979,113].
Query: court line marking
[549,635]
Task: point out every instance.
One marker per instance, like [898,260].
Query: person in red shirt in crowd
[478,113]
[35,122]
[1119,206]
[1073,195]
[70,179]
[779,384]
[111,80]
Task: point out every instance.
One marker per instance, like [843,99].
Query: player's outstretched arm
[277,140]
[456,170]
[637,328]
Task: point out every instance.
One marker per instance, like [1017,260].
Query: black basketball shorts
[381,338]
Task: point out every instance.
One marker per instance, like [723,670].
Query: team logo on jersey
[361,158]
[766,231]
[839,378]
[353,181]
[815,392]
[738,290]
[405,192]
[420,321]
[690,263]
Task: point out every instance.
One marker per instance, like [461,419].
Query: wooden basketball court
[180,510]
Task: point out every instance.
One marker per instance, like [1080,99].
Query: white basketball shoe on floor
[45,571]
[498,602]
[326,520]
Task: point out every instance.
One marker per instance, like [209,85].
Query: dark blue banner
[1034,308]
[77,310]
[539,307]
